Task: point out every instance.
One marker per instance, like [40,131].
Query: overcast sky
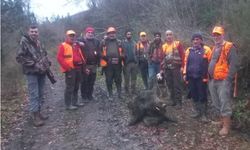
[49,8]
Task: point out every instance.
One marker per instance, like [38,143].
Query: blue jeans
[153,69]
[35,85]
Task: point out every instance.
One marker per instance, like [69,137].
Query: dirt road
[102,125]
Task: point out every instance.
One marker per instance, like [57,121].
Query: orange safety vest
[221,68]
[139,45]
[173,48]
[68,56]
[169,48]
[104,63]
[207,55]
[140,49]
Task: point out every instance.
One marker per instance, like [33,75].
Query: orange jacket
[221,68]
[65,57]
[206,55]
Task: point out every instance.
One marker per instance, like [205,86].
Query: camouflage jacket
[32,56]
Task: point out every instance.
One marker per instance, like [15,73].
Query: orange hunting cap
[218,30]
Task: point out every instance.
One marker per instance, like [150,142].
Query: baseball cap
[218,30]
[69,32]
[143,34]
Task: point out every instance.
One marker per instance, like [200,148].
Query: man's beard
[157,41]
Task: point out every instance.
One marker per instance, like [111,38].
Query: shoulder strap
[31,50]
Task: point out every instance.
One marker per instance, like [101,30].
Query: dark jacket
[196,64]
[29,55]
[129,51]
[91,49]
[155,53]
[114,51]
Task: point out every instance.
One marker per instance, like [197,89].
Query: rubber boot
[196,113]
[226,126]
[204,113]
[119,94]
[119,90]
[110,94]
[37,122]
[110,90]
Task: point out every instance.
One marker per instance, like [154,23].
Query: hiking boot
[37,122]
[110,97]
[196,112]
[80,104]
[120,96]
[91,98]
[127,91]
[226,126]
[43,117]
[204,119]
[85,100]
[132,121]
[71,107]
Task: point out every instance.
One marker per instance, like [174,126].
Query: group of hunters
[79,58]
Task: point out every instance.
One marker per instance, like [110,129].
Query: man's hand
[185,77]
[81,44]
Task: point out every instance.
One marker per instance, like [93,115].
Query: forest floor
[102,125]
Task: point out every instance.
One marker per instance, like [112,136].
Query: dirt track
[102,125]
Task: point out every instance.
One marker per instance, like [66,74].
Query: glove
[81,44]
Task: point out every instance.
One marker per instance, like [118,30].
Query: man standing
[173,65]
[72,62]
[195,73]
[91,49]
[142,47]
[222,69]
[155,58]
[130,65]
[33,58]
[112,61]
